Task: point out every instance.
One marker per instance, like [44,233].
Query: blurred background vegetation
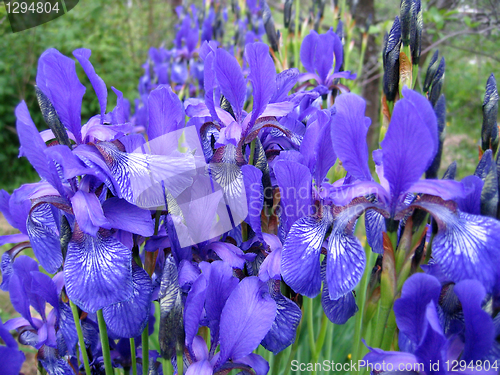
[120,32]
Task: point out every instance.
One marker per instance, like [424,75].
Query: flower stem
[145,349]
[103,334]
[321,339]
[357,347]
[81,341]
[180,363]
[167,366]
[329,341]
[310,325]
[133,354]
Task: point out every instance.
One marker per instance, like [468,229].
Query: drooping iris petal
[345,257]
[410,142]
[166,112]
[44,237]
[125,216]
[231,81]
[349,129]
[339,310]
[83,56]
[97,271]
[141,177]
[246,318]
[284,328]
[346,262]
[262,75]
[128,318]
[88,212]
[300,265]
[57,79]
[466,246]
[294,181]
[411,308]
[479,329]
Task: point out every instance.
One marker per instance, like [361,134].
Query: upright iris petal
[349,129]
[246,318]
[410,143]
[57,79]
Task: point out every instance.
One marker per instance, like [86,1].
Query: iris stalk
[103,333]
[358,330]
[133,355]
[81,341]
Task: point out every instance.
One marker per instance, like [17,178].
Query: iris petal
[94,268]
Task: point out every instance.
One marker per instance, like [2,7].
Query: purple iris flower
[322,56]
[465,244]
[239,315]
[425,348]
[223,76]
[96,230]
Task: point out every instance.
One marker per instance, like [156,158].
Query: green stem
[296,42]
[321,338]
[167,366]
[310,325]
[329,340]
[81,341]
[276,363]
[145,349]
[252,152]
[103,334]
[357,346]
[180,363]
[133,354]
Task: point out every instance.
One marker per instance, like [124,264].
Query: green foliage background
[119,35]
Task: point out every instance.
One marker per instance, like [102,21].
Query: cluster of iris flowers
[197,225]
